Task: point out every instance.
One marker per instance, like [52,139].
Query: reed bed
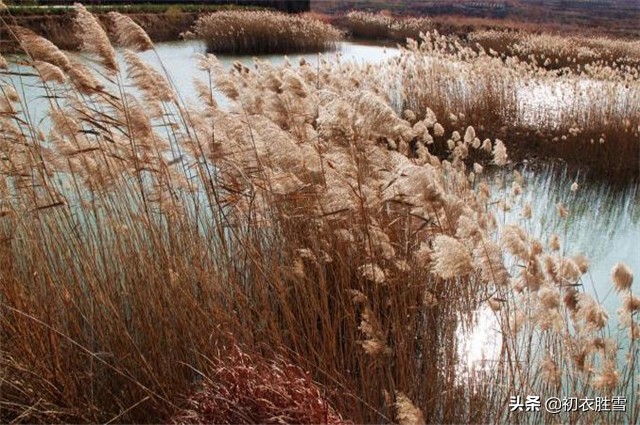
[382,26]
[560,51]
[589,117]
[304,245]
[254,32]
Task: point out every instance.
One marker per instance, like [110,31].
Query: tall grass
[555,52]
[158,257]
[251,32]
[386,27]
[593,119]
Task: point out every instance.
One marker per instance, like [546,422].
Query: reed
[383,26]
[592,121]
[553,51]
[301,251]
[253,32]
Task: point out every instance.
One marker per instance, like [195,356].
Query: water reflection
[603,224]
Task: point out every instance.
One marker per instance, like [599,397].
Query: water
[603,224]
[179,58]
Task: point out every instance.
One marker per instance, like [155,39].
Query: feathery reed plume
[499,153]
[438,130]
[582,262]
[526,211]
[569,270]
[488,258]
[94,38]
[129,34]
[549,297]
[372,272]
[406,412]
[2,6]
[608,378]
[467,228]
[49,72]
[41,49]
[622,277]
[631,303]
[218,74]
[154,86]
[450,258]
[3,63]
[592,314]
[514,239]
[83,78]
[562,211]
[10,93]
[375,344]
[550,371]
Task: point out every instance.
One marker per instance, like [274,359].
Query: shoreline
[167,22]
[59,29]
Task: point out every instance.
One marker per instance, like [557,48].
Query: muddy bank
[60,30]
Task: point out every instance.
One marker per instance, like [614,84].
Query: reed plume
[94,38]
[49,72]
[129,34]
[406,412]
[622,277]
[450,258]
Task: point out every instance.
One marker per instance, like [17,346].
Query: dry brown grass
[552,51]
[593,121]
[252,32]
[381,26]
[307,218]
[245,389]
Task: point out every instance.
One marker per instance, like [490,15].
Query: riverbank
[161,22]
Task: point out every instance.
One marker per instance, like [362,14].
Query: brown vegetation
[244,389]
[307,218]
[385,27]
[61,31]
[253,32]
[614,18]
[594,121]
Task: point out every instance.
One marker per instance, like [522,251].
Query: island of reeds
[262,32]
[305,254]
